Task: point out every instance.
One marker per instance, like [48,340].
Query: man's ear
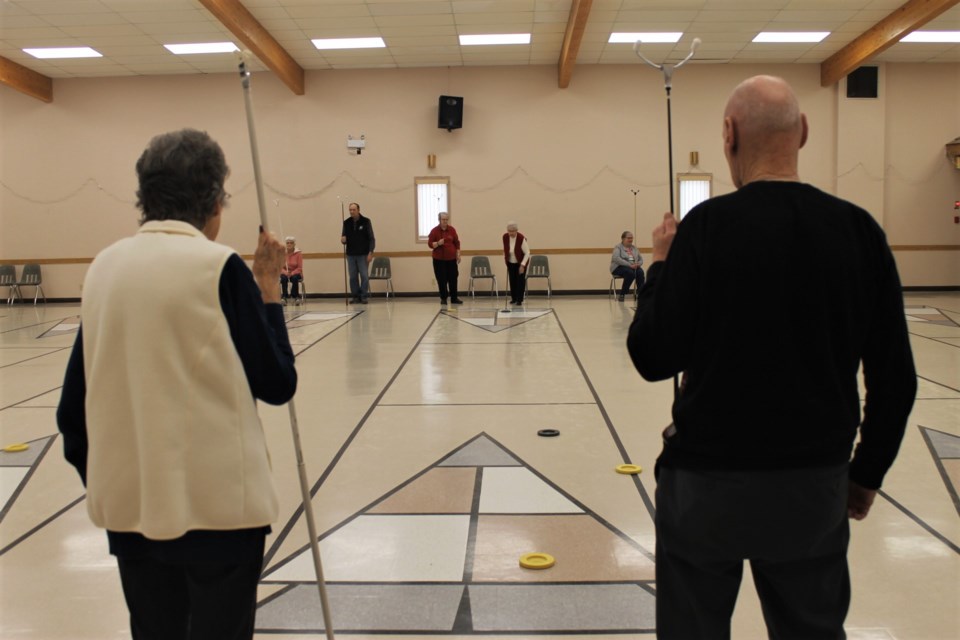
[804,131]
[729,134]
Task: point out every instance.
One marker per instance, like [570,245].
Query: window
[432,196]
[693,188]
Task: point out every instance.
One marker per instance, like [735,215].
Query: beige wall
[560,162]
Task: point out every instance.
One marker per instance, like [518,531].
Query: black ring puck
[548,433]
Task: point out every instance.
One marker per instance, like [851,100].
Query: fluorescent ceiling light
[201,47]
[64,52]
[496,38]
[349,43]
[791,36]
[932,36]
[666,36]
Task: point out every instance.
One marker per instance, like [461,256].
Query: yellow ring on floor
[16,448]
[537,561]
[629,469]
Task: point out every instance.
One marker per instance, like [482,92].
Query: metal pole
[301,468]
[346,294]
[670,150]
[668,70]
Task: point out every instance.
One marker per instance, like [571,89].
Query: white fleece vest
[175,440]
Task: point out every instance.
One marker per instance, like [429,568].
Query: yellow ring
[629,469]
[537,561]
[16,448]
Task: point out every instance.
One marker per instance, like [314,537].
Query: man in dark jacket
[757,463]
[359,242]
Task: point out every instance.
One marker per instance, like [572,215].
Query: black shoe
[620,297]
[443,301]
[363,301]
[457,301]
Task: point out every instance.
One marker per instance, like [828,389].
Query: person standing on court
[178,340]
[359,242]
[516,253]
[445,242]
[769,299]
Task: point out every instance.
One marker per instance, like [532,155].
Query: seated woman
[292,271]
[627,263]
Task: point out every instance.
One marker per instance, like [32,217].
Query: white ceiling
[423,33]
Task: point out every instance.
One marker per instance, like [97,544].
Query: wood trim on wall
[471,252]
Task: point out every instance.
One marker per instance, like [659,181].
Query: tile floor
[419,432]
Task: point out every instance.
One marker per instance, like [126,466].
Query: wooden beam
[254,37]
[579,12]
[880,37]
[36,85]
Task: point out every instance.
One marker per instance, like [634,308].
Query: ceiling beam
[881,36]
[36,85]
[254,37]
[579,12]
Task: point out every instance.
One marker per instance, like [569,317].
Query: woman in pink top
[292,271]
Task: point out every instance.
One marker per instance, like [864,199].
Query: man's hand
[663,235]
[523,268]
[343,239]
[859,501]
[439,242]
[268,260]
[369,258]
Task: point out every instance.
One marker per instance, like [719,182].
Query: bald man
[769,299]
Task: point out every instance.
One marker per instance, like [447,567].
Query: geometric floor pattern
[446,407]
[440,554]
[314,317]
[945,449]
[495,321]
[928,315]
[64,327]
[16,468]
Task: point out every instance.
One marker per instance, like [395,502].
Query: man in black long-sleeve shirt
[771,299]
[358,242]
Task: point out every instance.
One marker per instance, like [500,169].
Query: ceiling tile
[423,32]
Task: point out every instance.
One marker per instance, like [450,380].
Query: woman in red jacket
[516,253]
[445,242]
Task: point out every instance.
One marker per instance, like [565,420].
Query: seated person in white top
[627,263]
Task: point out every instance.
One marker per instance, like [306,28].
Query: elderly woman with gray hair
[627,263]
[158,411]
[292,272]
[516,253]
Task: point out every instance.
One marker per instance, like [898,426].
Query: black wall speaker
[862,83]
[450,113]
